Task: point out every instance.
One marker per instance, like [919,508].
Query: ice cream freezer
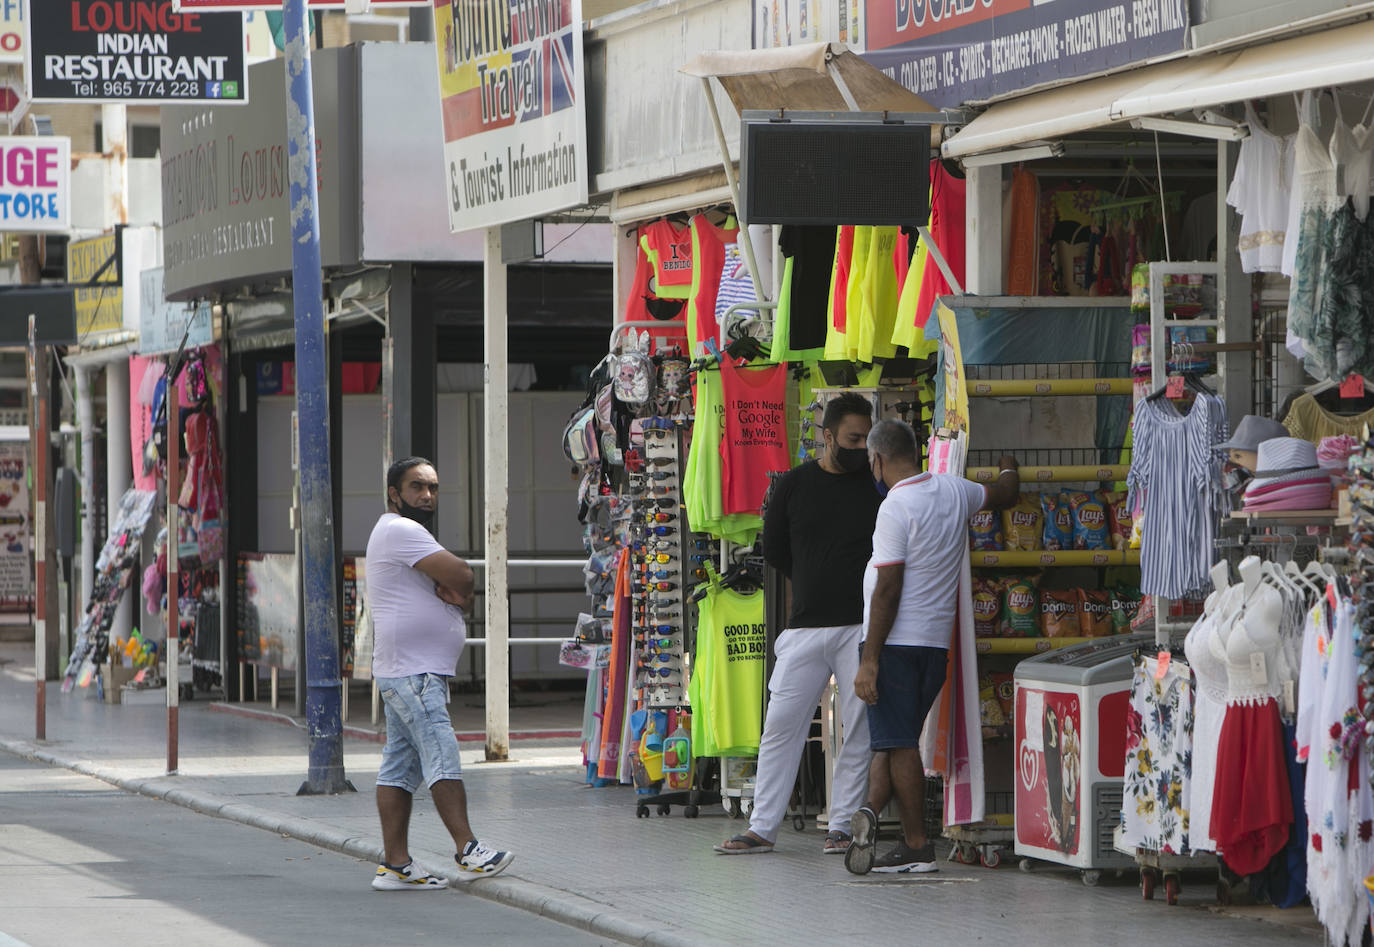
[1070,738]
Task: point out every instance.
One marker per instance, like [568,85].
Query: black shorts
[909,680]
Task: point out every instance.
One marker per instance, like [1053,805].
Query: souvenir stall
[718,377]
[139,660]
[1243,745]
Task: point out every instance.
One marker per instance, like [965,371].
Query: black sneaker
[858,858]
[903,859]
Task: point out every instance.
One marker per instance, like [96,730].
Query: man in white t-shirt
[911,594]
[418,592]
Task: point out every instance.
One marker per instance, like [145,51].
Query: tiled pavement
[584,858]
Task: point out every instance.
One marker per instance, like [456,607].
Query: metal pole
[746,245]
[38,440]
[323,709]
[85,420]
[172,652]
[497,495]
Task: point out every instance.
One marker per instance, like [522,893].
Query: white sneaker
[481,860]
[410,878]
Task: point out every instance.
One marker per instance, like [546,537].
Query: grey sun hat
[1253,431]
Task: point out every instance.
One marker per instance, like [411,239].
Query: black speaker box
[872,173]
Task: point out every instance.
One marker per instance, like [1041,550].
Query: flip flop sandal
[837,843]
[752,846]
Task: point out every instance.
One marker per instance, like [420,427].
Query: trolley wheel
[690,812]
[965,854]
[1147,884]
[1091,877]
[991,857]
[664,809]
[799,823]
[1171,889]
[733,808]
[1026,865]
[641,812]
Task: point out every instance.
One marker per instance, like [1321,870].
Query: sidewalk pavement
[584,859]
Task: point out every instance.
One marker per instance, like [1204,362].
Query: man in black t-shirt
[818,531]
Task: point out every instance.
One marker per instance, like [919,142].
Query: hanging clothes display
[1175,478]
[1308,420]
[708,258]
[753,443]
[947,211]
[1022,251]
[703,476]
[878,292]
[668,248]
[726,690]
[1260,189]
[799,328]
[1159,749]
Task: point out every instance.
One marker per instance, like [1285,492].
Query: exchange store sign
[515,118]
[35,185]
[137,51]
[955,51]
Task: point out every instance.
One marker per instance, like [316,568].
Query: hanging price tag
[1353,386]
[1174,387]
[1259,672]
[1162,667]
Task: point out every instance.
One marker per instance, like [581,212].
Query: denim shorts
[420,743]
[909,680]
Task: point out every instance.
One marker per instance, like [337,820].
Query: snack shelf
[1314,517]
[1026,387]
[1074,473]
[1025,645]
[1020,559]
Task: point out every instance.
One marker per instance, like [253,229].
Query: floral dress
[1159,758]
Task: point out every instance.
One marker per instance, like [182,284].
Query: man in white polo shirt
[911,590]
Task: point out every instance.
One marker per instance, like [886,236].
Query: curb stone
[566,907]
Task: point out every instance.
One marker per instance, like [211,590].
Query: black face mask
[852,459]
[417,513]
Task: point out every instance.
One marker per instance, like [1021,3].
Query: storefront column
[413,361]
[496,492]
[119,473]
[983,231]
[85,420]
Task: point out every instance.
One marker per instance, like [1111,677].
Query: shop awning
[1316,60]
[802,79]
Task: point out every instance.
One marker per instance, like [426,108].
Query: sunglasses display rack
[657,524]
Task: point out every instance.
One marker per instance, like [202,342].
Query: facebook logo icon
[212,89]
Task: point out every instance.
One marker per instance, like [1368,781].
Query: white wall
[543,498]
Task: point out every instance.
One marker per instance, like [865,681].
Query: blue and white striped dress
[1176,477]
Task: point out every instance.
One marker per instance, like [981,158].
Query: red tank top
[754,441]
[844,255]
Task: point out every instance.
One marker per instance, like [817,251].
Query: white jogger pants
[806,659]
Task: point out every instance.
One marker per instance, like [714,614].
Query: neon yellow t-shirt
[701,479]
[879,293]
[726,690]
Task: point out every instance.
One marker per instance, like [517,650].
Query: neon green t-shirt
[726,690]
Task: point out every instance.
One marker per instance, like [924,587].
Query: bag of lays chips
[1058,534]
[1020,608]
[985,531]
[1023,525]
[1090,530]
[987,607]
[1119,519]
[989,707]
